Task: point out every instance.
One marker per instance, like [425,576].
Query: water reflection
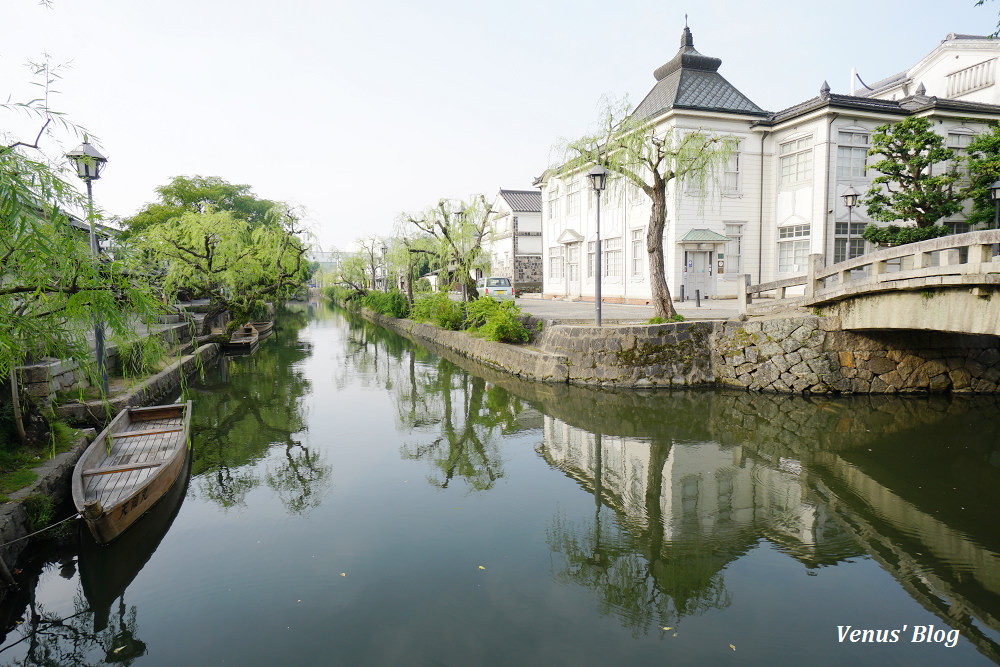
[685,483]
[249,407]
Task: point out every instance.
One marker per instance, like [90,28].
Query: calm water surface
[357,500]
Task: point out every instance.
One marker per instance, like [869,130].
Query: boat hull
[112,496]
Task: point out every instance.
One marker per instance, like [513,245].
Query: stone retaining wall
[144,393]
[803,354]
[54,475]
[513,359]
[813,354]
[43,379]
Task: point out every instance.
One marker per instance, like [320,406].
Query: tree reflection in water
[248,407]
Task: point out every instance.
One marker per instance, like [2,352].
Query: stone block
[960,378]
[793,358]
[880,365]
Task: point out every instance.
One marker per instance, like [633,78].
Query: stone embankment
[54,475]
[801,354]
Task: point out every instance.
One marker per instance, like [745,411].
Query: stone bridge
[948,284]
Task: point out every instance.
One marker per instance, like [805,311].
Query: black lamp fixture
[598,176]
[850,197]
[88,161]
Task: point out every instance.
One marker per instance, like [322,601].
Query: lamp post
[850,201]
[462,272]
[995,196]
[598,176]
[385,268]
[89,164]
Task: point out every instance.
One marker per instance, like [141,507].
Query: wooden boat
[243,339]
[263,328]
[129,466]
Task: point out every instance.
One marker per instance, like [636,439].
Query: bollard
[697,298]
[682,293]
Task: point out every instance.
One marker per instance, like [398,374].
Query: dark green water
[357,500]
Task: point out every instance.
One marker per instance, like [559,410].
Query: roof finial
[921,90]
[685,20]
[824,90]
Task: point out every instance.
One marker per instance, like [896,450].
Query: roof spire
[824,91]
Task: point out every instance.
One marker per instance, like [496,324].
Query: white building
[779,198]
[514,243]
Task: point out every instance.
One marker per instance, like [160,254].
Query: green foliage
[51,287]
[676,317]
[228,260]
[141,357]
[906,187]
[39,510]
[984,170]
[422,286]
[656,320]
[438,309]
[504,327]
[893,235]
[496,320]
[392,303]
[200,194]
[640,156]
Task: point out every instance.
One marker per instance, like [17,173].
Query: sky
[357,112]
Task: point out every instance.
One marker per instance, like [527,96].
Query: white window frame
[793,244]
[612,257]
[795,160]
[858,244]
[637,237]
[732,180]
[556,266]
[733,261]
[852,152]
[573,198]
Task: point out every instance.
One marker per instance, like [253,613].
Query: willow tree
[51,285]
[228,261]
[639,153]
[456,231]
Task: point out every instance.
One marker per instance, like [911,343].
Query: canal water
[355,499]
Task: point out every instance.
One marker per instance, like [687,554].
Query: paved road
[554,309]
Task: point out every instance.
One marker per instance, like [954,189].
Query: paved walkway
[583,311]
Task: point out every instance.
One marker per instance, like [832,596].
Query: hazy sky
[360,111]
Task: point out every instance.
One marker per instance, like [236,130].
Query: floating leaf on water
[343,574]
[732,647]
[481,567]
[665,629]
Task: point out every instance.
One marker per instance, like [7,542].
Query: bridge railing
[957,255]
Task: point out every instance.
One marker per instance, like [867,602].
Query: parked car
[496,287]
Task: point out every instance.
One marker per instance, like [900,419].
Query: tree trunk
[16,399]
[663,305]
[214,311]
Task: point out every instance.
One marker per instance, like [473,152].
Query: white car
[498,288]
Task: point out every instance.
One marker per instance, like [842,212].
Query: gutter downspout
[826,194]
[760,219]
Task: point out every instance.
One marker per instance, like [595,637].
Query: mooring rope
[38,532]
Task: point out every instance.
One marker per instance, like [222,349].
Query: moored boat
[243,339]
[129,467]
[263,328]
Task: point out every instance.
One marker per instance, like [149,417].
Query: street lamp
[461,240]
[850,201]
[89,164]
[385,268]
[598,176]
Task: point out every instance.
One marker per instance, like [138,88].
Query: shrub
[496,320]
[894,235]
[422,285]
[392,303]
[141,356]
[504,327]
[438,309]
[676,317]
[656,320]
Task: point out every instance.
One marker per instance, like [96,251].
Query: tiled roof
[523,201]
[904,107]
[703,236]
[692,81]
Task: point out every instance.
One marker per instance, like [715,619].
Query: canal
[355,499]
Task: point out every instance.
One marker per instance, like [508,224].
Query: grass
[16,463]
